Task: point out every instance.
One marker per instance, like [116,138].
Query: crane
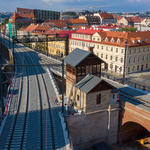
[74,9]
[99,6]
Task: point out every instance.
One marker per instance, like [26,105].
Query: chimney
[90,49]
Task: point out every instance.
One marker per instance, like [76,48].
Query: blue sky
[61,5]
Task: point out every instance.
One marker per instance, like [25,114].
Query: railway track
[134,99]
[47,130]
[16,132]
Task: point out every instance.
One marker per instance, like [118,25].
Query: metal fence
[130,83]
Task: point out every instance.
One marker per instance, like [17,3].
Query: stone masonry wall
[87,130]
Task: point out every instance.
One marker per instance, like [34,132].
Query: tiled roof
[88,30]
[78,21]
[119,17]
[22,16]
[134,19]
[31,28]
[107,16]
[60,23]
[145,35]
[52,32]
[48,24]
[67,32]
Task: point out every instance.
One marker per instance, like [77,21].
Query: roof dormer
[134,40]
[112,40]
[118,41]
[139,39]
[106,39]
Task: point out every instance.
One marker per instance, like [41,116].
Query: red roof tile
[90,31]
[78,21]
[31,28]
[22,16]
[107,16]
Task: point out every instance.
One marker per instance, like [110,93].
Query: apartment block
[110,46]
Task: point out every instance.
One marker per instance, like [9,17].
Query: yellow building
[58,47]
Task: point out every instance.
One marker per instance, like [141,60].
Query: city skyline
[61,5]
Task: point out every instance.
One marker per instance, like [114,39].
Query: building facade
[41,15]
[19,20]
[110,46]
[106,18]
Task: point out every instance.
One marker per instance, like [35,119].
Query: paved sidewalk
[138,74]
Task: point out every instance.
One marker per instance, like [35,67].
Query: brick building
[92,96]
[19,20]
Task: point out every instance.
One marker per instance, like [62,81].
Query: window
[134,50]
[113,96]
[94,69]
[137,67]
[83,70]
[130,51]
[94,46]
[106,56]
[147,57]
[129,60]
[144,49]
[121,60]
[139,59]
[128,69]
[116,50]
[97,46]
[106,40]
[111,48]
[111,57]
[139,50]
[101,55]
[98,54]
[98,68]
[121,50]
[116,59]
[98,100]
[112,40]
[98,39]
[134,60]
[102,47]
[146,66]
[79,71]
[78,97]
[93,39]
[143,58]
[107,48]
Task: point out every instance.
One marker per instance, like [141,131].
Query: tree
[132,29]
[5,21]
[41,46]
[129,29]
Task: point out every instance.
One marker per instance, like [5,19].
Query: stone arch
[130,130]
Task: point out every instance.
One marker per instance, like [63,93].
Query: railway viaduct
[134,121]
